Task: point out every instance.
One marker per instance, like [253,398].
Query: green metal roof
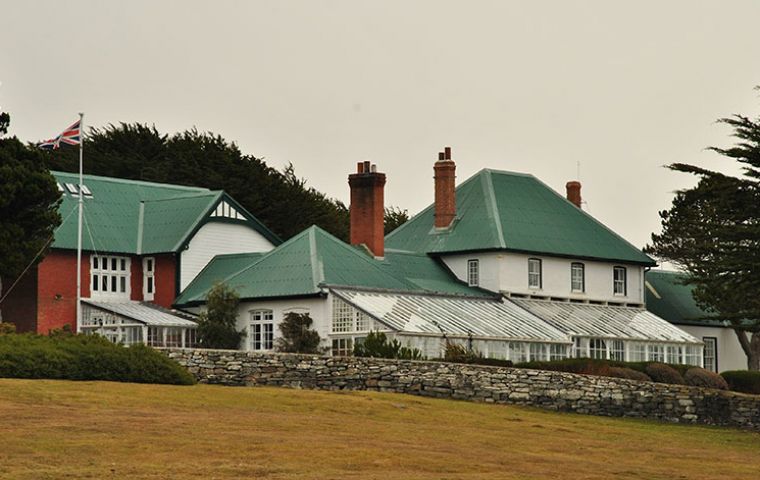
[218,269]
[314,260]
[499,210]
[668,298]
[134,217]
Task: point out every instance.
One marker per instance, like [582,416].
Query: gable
[511,211]
[134,217]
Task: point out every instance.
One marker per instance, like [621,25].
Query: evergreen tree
[29,200]
[297,335]
[712,231]
[217,325]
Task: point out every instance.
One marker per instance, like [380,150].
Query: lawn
[59,429]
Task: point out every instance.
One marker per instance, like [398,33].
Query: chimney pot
[447,152]
[441,156]
[360,167]
[373,169]
[366,166]
[573,188]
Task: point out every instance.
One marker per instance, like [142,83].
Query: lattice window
[538,352]
[343,316]
[534,273]
[557,351]
[518,352]
[597,348]
[617,350]
[262,330]
[638,352]
[342,347]
[656,353]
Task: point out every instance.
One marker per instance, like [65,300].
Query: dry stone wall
[559,391]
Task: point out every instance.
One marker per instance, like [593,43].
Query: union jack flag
[70,136]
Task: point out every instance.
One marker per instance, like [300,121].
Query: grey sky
[622,87]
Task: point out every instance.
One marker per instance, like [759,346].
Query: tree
[29,201]
[712,231]
[217,324]
[394,218]
[297,335]
[279,199]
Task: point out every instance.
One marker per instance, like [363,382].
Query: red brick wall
[165,279]
[367,209]
[136,279]
[20,306]
[56,289]
[445,192]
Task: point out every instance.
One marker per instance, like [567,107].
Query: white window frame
[473,272]
[574,268]
[597,348]
[619,286]
[710,354]
[117,281]
[342,346]
[535,277]
[149,278]
[261,330]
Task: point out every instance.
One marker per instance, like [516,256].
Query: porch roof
[143,312]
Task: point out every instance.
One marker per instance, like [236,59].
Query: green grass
[61,429]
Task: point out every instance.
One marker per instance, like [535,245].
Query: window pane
[113,264]
[123,284]
[123,264]
[150,284]
[95,284]
[104,283]
[113,283]
[473,274]
[94,262]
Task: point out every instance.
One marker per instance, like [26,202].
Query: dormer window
[473,272]
[577,277]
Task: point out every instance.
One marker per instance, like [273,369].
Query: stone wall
[551,390]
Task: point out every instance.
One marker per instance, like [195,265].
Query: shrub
[629,373]
[86,357]
[661,373]
[458,353]
[216,325]
[7,328]
[376,345]
[297,335]
[585,366]
[699,377]
[746,381]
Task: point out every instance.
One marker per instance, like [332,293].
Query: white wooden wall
[508,272]
[215,238]
[730,353]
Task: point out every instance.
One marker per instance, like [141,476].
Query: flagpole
[79,226]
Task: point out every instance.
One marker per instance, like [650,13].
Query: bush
[458,353]
[217,324]
[746,381]
[699,377]
[297,335]
[7,328]
[661,373]
[584,366]
[376,345]
[629,373]
[86,357]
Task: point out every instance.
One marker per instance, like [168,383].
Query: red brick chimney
[574,192]
[367,209]
[445,196]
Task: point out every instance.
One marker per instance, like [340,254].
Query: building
[502,263]
[142,244]
[668,298]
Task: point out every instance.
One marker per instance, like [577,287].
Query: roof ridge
[207,193]
[144,183]
[487,184]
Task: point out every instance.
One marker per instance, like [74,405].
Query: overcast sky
[621,87]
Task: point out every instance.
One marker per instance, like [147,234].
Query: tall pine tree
[712,231]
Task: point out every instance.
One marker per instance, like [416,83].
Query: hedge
[86,357]
[746,381]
